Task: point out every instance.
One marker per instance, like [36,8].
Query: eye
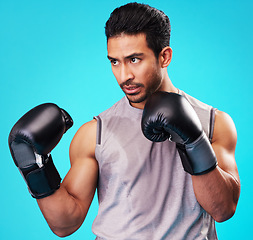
[135,60]
[114,62]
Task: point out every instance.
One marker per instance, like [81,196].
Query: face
[135,67]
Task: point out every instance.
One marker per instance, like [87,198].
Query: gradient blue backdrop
[55,51]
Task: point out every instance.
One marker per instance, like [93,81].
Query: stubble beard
[155,84]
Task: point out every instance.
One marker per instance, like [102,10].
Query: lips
[131,89]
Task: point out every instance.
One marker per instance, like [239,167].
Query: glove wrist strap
[43,181]
[198,157]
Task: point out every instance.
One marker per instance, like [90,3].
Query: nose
[126,73]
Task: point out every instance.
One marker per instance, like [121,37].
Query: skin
[139,73]
[136,69]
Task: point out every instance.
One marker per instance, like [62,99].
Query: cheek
[113,71]
[152,75]
[153,81]
[116,74]
[145,73]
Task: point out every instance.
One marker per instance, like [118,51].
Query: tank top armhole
[99,130]
[212,119]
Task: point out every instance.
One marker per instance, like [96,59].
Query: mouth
[131,89]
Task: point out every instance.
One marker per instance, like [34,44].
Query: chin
[137,99]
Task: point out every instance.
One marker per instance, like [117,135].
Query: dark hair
[134,18]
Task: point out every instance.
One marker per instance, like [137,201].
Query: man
[146,189]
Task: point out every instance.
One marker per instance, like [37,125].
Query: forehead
[125,45]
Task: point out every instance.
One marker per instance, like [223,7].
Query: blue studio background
[55,51]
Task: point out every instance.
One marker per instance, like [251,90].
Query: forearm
[217,192]
[62,212]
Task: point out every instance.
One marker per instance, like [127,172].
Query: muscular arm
[67,208]
[218,191]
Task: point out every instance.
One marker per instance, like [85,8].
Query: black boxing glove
[31,140]
[170,115]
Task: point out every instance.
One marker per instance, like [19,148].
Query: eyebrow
[127,57]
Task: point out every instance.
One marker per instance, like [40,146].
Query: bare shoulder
[224,130]
[84,142]
[224,142]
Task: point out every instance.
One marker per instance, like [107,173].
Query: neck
[167,85]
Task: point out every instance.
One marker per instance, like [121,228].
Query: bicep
[81,180]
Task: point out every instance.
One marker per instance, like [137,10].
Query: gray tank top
[143,191]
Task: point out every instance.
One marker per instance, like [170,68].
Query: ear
[165,57]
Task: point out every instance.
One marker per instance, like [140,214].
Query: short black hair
[134,18]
